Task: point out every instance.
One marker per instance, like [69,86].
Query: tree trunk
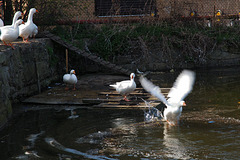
[8,12]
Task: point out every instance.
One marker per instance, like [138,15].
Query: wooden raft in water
[105,99]
[112,99]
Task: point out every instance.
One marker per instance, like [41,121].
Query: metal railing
[112,11]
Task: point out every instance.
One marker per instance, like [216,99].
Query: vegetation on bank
[194,42]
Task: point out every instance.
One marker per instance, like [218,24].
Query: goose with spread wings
[181,88]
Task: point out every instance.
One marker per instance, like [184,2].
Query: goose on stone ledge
[29,29]
[9,34]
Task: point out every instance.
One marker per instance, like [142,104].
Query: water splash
[152,113]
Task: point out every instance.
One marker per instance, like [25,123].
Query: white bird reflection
[73,113]
[173,144]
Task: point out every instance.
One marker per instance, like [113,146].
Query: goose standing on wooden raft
[70,79]
[9,34]
[29,29]
[15,18]
[181,88]
[125,87]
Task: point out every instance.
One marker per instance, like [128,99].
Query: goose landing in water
[181,88]
[125,87]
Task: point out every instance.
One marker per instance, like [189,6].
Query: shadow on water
[209,128]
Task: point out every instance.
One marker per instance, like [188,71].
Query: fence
[100,11]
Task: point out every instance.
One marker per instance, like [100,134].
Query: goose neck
[30,17]
[14,19]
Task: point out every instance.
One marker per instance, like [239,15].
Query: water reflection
[66,132]
[73,113]
[173,146]
[52,142]
[125,135]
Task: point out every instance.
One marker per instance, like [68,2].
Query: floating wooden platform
[112,99]
[104,99]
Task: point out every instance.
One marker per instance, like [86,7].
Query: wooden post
[37,76]
[214,15]
[66,60]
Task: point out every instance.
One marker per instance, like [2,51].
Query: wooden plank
[131,94]
[139,106]
[85,100]
[52,101]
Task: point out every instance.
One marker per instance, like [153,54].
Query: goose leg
[74,88]
[125,99]
[10,44]
[171,124]
[25,40]
[5,43]
[66,88]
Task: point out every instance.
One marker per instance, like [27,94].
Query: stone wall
[23,72]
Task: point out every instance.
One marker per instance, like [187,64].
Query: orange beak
[74,72]
[184,104]
[22,22]
[37,11]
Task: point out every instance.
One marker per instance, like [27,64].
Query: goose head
[132,76]
[18,22]
[33,10]
[183,103]
[72,71]
[16,16]
[30,15]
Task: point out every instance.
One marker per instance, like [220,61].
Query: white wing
[182,86]
[151,88]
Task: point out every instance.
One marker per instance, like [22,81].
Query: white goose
[181,88]
[1,23]
[15,18]
[70,79]
[9,34]
[29,28]
[35,32]
[125,87]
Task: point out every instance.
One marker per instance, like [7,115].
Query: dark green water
[50,133]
